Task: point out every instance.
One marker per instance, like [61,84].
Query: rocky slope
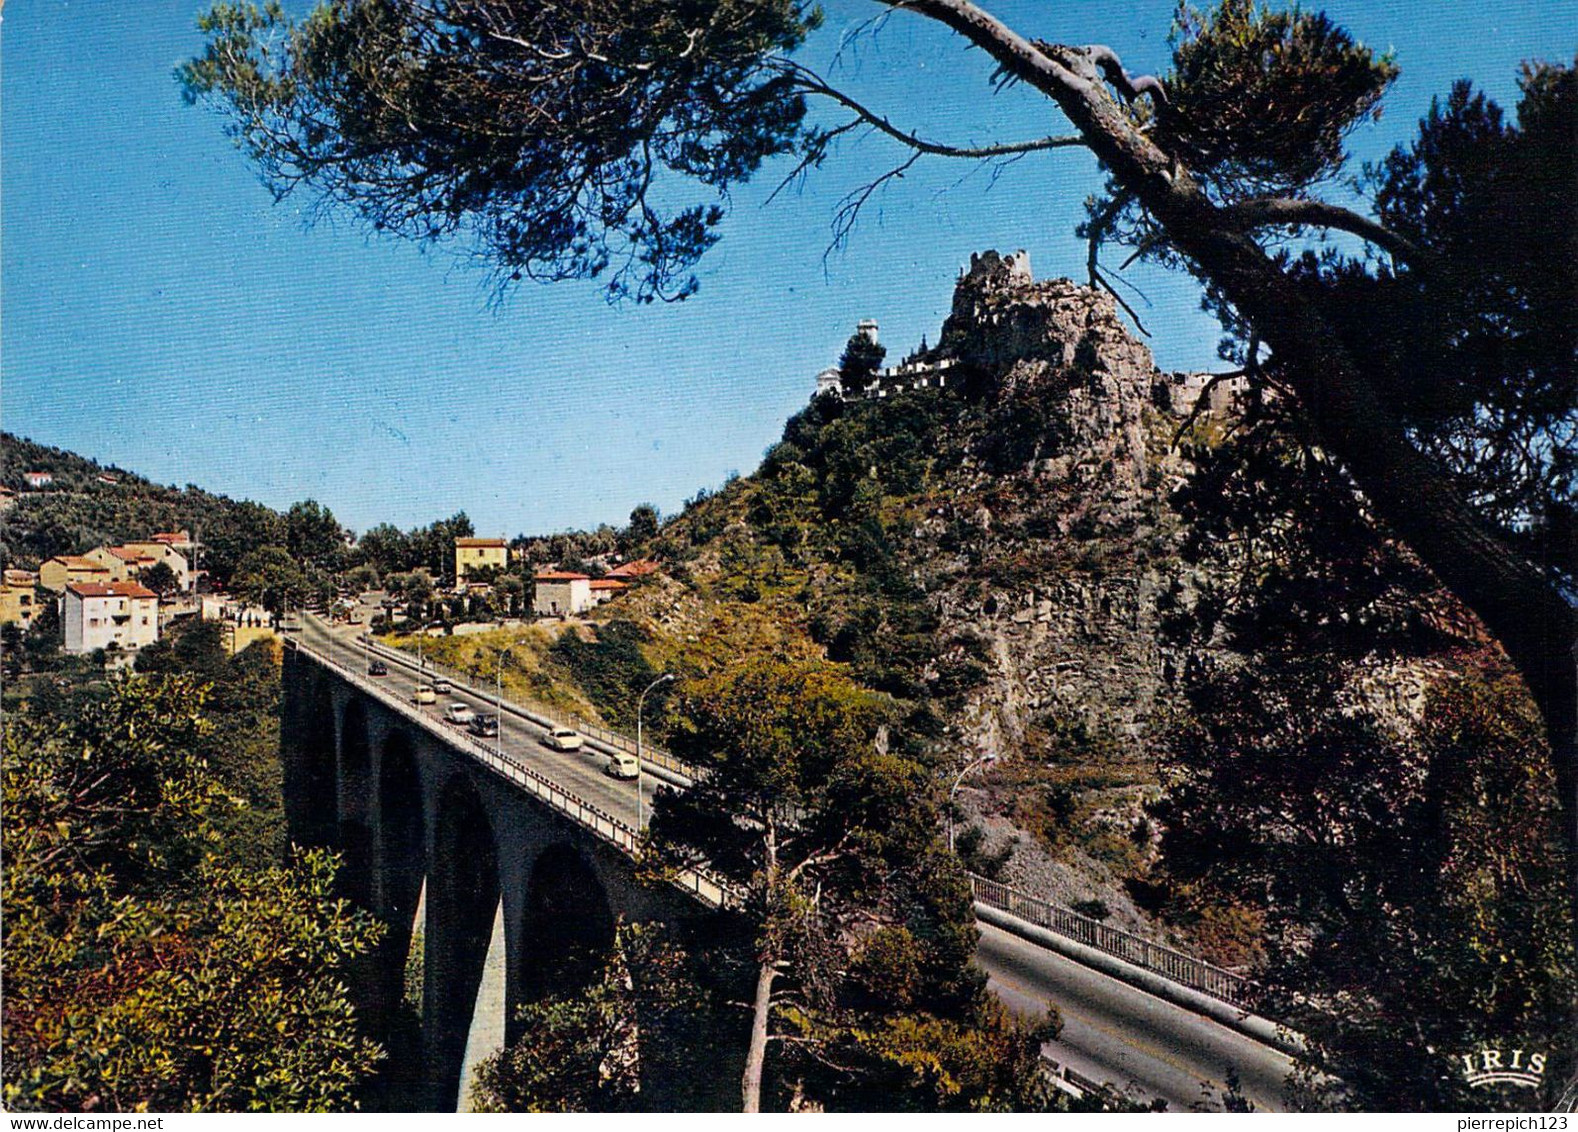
[1000,553]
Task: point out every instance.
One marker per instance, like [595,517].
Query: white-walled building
[561,594]
[96,615]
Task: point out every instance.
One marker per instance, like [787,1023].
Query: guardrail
[655,755]
[1183,969]
[1186,970]
[592,818]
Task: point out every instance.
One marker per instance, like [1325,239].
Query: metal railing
[1186,970]
[655,755]
[592,818]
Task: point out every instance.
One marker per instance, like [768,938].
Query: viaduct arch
[489,897]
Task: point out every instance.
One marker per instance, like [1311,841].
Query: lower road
[1113,1034]
[1116,1034]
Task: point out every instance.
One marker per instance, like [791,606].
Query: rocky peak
[1015,329]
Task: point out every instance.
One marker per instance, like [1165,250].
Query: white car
[622,765]
[562,739]
[423,695]
[458,713]
[442,686]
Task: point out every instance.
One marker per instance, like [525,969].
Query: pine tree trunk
[756,1055]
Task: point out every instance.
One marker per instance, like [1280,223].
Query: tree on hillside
[862,930]
[642,528]
[236,532]
[314,536]
[161,579]
[433,546]
[1434,371]
[270,577]
[141,971]
[386,548]
[861,358]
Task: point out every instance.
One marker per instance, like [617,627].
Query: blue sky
[161,313]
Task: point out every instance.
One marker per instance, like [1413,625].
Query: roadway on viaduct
[1113,1033]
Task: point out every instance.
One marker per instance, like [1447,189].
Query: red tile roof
[171,536]
[561,576]
[109,589]
[608,584]
[640,568]
[20,578]
[480,542]
[127,554]
[77,562]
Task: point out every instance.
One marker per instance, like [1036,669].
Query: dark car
[484,725]
[377,668]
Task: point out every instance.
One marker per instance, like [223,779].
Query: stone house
[562,594]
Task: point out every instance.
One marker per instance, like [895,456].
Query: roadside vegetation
[163,950]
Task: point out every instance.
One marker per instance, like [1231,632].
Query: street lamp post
[498,702]
[640,701]
[984,760]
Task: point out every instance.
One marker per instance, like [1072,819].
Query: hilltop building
[1180,393]
[19,598]
[915,373]
[474,554]
[928,368]
[103,615]
[37,481]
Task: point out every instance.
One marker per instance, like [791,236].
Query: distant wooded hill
[88,504]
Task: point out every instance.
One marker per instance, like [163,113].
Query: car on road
[458,713]
[562,739]
[484,725]
[622,765]
[377,668]
[442,686]
[424,695]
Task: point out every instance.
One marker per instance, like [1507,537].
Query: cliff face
[1085,519]
[1001,552]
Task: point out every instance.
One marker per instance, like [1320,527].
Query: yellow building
[19,598]
[159,550]
[473,554]
[67,569]
[123,563]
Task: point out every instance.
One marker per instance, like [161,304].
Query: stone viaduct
[492,896]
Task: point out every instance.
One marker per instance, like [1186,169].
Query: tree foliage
[585,1053]
[160,578]
[554,139]
[314,536]
[1260,101]
[142,970]
[270,577]
[863,937]
[862,357]
[1410,883]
